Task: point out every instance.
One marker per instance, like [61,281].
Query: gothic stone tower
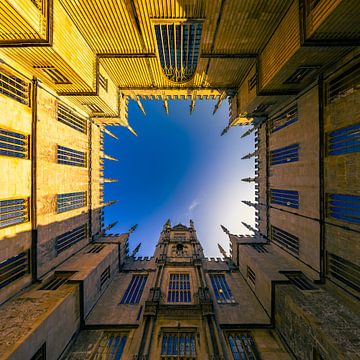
[177,305]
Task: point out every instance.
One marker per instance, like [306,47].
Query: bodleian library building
[287,69]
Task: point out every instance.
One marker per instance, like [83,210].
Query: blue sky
[179,167]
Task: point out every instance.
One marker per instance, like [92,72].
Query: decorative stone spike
[221,98]
[222,251]
[140,105]
[246,133]
[249,203]
[249,227]
[106,131]
[111,202]
[192,106]
[167,225]
[249,179]
[108,157]
[249,155]
[166,106]
[110,226]
[226,231]
[109,180]
[136,250]
[132,229]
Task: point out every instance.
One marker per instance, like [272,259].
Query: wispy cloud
[193,205]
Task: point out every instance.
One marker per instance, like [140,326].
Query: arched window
[178,46]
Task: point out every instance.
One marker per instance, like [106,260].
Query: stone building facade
[288,68]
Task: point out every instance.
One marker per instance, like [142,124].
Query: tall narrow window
[345,271]
[14,211]
[14,144]
[285,239]
[68,117]
[298,279]
[250,275]
[178,46]
[344,84]
[111,346]
[105,276]
[70,201]
[64,241]
[69,156]
[344,141]
[242,346]
[103,82]
[344,207]
[134,291]
[288,198]
[55,282]
[285,119]
[284,155]
[221,288]
[15,88]
[14,268]
[179,288]
[179,345]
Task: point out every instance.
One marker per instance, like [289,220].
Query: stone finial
[108,203]
[249,203]
[246,133]
[167,225]
[226,231]
[106,131]
[249,227]
[222,251]
[132,229]
[108,157]
[136,250]
[249,155]
[221,98]
[249,179]
[166,106]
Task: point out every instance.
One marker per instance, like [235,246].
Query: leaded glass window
[111,346]
[180,345]
[178,46]
[242,346]
[134,291]
[179,288]
[221,288]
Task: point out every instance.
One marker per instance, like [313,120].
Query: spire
[249,155]
[249,227]
[246,133]
[106,131]
[221,98]
[249,179]
[108,157]
[192,106]
[132,229]
[109,180]
[225,130]
[140,105]
[109,227]
[136,250]
[108,203]
[166,106]
[167,225]
[249,203]
[226,231]
[123,119]
[222,251]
